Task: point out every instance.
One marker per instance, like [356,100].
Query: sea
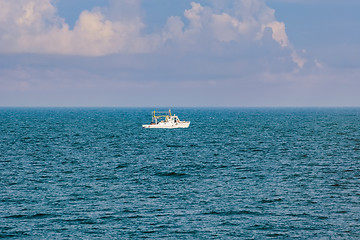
[235,173]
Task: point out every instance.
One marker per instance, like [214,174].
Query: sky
[179,53]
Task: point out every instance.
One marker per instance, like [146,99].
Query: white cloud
[278,32]
[251,20]
[204,22]
[280,36]
[34,26]
[297,59]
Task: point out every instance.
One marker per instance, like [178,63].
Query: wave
[170,174]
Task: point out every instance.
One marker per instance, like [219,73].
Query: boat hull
[168,125]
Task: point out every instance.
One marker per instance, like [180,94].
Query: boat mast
[154,118]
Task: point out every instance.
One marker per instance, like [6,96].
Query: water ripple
[234,174]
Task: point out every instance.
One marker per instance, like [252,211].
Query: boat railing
[162,114]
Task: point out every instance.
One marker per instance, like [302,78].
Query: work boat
[166,121]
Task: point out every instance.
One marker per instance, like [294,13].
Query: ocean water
[247,173]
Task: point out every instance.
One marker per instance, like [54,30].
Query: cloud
[33,26]
[278,32]
[280,36]
[248,25]
[76,86]
[205,23]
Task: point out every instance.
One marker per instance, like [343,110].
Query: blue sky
[179,53]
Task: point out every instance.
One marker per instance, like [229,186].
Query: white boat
[166,121]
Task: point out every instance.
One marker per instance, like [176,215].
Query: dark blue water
[235,173]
